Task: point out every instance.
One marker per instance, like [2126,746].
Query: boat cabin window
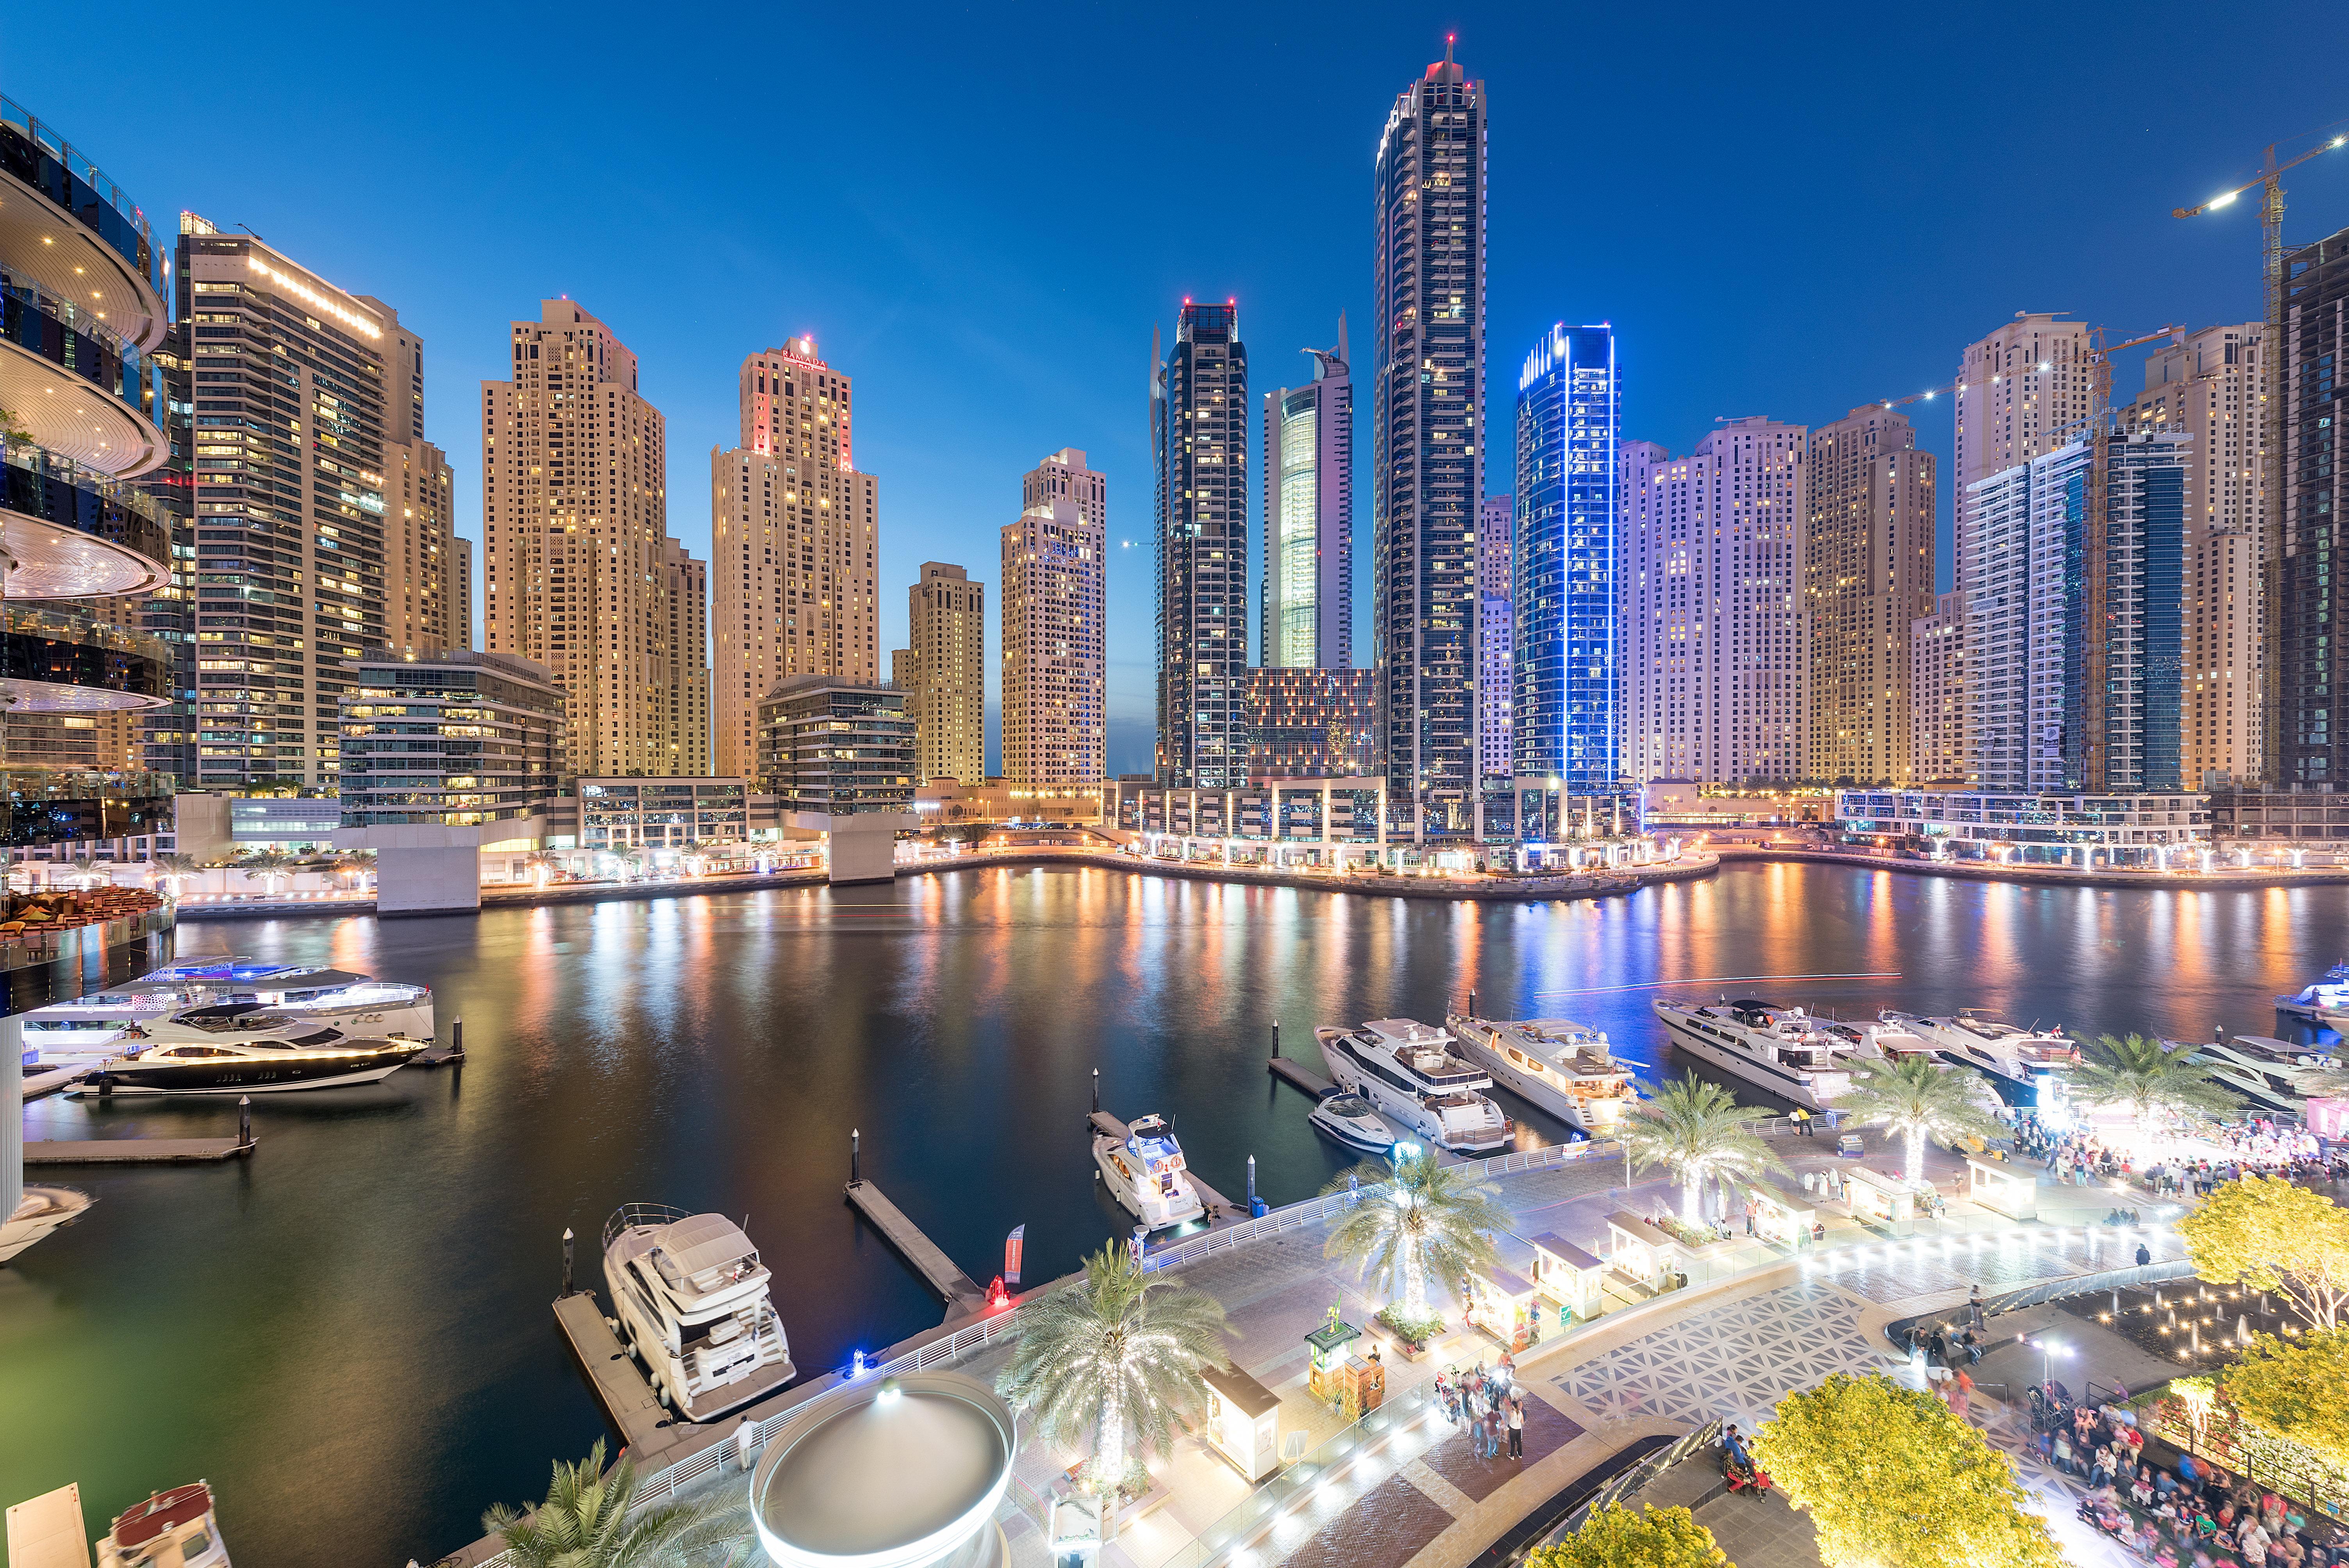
[196,1051]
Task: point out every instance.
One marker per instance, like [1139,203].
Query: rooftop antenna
[1449,38]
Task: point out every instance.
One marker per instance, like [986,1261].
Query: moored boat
[174,1529]
[2025,1066]
[1565,1068]
[196,1053]
[1776,1047]
[1411,1073]
[1145,1173]
[43,1209]
[1354,1122]
[691,1295]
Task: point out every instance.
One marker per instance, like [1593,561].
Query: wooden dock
[929,1260]
[619,1383]
[1221,1211]
[138,1152]
[438,1056]
[38,1083]
[1301,1075]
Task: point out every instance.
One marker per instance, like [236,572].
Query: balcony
[73,232]
[74,533]
[78,387]
[55,661]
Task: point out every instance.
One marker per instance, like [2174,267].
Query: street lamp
[2051,1351]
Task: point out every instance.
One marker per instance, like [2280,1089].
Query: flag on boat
[1013,1244]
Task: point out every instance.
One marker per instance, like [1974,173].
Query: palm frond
[1917,1097]
[2149,1076]
[1699,1131]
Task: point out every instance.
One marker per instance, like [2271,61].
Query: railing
[85,631]
[80,168]
[74,318]
[24,784]
[1636,1479]
[2083,1285]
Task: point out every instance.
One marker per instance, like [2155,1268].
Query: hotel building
[1309,517]
[1868,575]
[1055,594]
[942,671]
[1198,428]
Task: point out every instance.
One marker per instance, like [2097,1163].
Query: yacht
[2318,997]
[2015,1059]
[692,1298]
[233,1050]
[1354,1122]
[1779,1048]
[1410,1073]
[173,1527]
[1888,1038]
[2271,1074]
[1563,1068]
[41,1210]
[116,1022]
[1143,1172]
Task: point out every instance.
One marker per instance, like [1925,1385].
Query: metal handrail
[628,1216]
[73,317]
[2083,1285]
[1636,1479]
[58,626]
[43,136]
[48,465]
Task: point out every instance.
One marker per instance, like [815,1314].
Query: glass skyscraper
[1309,517]
[1198,428]
[1427,443]
[1563,600]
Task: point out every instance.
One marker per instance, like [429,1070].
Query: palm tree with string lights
[1698,1131]
[1418,1222]
[1918,1098]
[174,869]
[2149,1076]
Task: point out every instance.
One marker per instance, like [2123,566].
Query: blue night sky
[979,212]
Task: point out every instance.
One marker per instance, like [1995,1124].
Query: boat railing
[629,1216]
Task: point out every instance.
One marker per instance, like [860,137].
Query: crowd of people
[1489,1403]
[2256,1145]
[2193,1517]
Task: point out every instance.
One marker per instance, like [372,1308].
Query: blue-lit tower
[1566,715]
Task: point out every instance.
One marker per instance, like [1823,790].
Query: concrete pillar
[12,1123]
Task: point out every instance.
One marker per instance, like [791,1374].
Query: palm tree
[174,869]
[1701,1133]
[587,1522]
[2148,1077]
[271,865]
[1917,1096]
[1418,1222]
[85,871]
[1116,1354]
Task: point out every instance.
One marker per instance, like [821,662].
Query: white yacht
[234,1050]
[42,1210]
[1888,1038]
[2271,1074]
[174,1527]
[1779,1048]
[1411,1073]
[2014,1058]
[1354,1122]
[2318,997]
[115,1021]
[1563,1068]
[1143,1172]
[692,1298]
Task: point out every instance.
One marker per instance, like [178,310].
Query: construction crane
[1926,396]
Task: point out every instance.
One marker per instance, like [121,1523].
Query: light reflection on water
[350,1336]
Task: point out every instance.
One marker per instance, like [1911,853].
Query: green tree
[1918,1098]
[1892,1480]
[2151,1078]
[1115,1355]
[1615,1537]
[2296,1389]
[2265,1233]
[174,869]
[1698,1131]
[1417,1222]
[269,867]
[586,1521]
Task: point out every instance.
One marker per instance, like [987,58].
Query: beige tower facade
[1055,583]
[1937,685]
[581,572]
[1868,573]
[2023,391]
[795,533]
[2209,388]
[422,610]
[944,673]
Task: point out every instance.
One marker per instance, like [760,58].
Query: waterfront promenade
[2217,879]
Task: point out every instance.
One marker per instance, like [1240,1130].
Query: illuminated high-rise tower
[1309,517]
[1198,428]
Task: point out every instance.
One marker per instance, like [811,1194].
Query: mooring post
[1275,1039]
[1097,1091]
[244,1121]
[855,1156]
[566,1260]
[1251,1183]
[457,1037]
[1472,1001]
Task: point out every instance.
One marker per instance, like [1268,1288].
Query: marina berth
[1782,1049]
[1409,1071]
[2269,1072]
[2327,994]
[1145,1173]
[691,1295]
[1562,1067]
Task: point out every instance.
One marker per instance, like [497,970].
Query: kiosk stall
[1640,1253]
[1567,1276]
[1778,1219]
[1881,1201]
[1242,1421]
[2002,1189]
[1501,1303]
[1328,1344]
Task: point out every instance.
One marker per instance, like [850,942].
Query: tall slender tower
[1497,649]
[1198,428]
[583,576]
[1309,517]
[422,608]
[2306,748]
[944,678]
[1055,590]
[1867,576]
[795,533]
[1564,714]
[1427,443]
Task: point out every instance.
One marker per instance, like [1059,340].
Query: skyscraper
[1936,687]
[2306,747]
[1497,640]
[1308,516]
[2209,388]
[795,536]
[422,609]
[1714,658]
[1198,428]
[1868,574]
[1565,601]
[1427,442]
[582,574]
[2023,391]
[945,678]
[1055,587]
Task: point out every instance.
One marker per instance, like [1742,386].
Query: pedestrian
[1747,1206]
[2144,1255]
[1975,1307]
[1518,1428]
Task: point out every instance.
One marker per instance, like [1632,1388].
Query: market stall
[1501,1303]
[1778,1219]
[1328,1344]
[1567,1276]
[1242,1421]
[1640,1253]
[1886,1203]
[2003,1188]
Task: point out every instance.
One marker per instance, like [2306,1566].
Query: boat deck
[1221,1211]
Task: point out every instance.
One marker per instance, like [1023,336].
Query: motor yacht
[1563,1068]
[2269,1073]
[1888,1038]
[174,1527]
[1776,1047]
[116,1022]
[235,1051]
[42,1210]
[2018,1061]
[1354,1122]
[1143,1172]
[2320,996]
[691,1295]
[1411,1073]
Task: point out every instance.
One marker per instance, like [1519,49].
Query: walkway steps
[619,1383]
[1301,1075]
[38,1083]
[929,1260]
[1221,1211]
[137,1152]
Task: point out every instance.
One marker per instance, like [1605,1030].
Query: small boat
[243,1052]
[1143,1172]
[1354,1122]
[42,1210]
[2318,997]
[2269,1072]
[691,1295]
[174,1527]
[2019,1062]
[1776,1047]
[1564,1067]
[1411,1073]
[118,1020]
